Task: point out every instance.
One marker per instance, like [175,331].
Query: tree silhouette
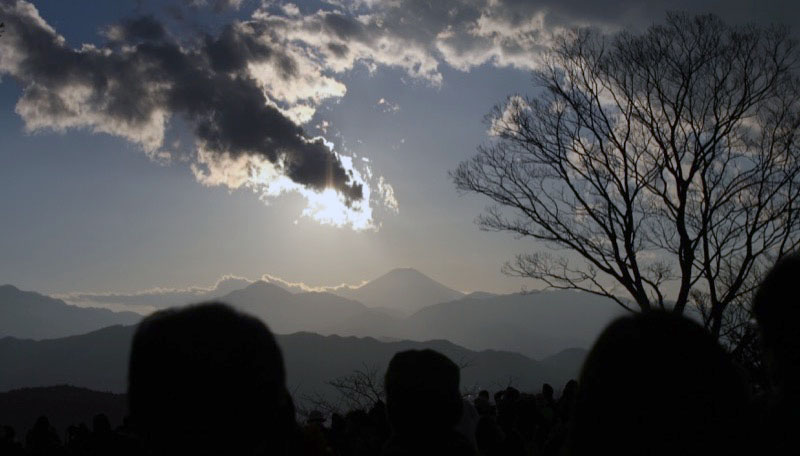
[663,165]
[359,390]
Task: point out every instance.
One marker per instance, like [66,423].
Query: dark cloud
[131,87]
[144,28]
[419,35]
[344,27]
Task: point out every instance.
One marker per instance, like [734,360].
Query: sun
[328,207]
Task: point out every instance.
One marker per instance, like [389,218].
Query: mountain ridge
[29,314]
[98,360]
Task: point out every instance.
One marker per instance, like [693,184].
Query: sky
[149,144]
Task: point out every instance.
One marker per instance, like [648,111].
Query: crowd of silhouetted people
[207,379]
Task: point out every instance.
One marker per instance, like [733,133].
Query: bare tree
[361,389]
[655,167]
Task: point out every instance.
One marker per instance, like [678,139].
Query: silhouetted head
[482,404]
[658,384]
[570,389]
[100,424]
[422,392]
[777,310]
[206,379]
[498,395]
[547,392]
[42,423]
[7,433]
[507,406]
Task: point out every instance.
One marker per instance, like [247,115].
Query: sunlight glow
[326,207]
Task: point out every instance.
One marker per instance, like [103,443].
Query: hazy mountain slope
[63,405]
[369,323]
[481,295]
[535,324]
[98,360]
[313,360]
[26,314]
[566,363]
[402,289]
[286,312]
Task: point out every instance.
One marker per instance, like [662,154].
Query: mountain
[287,312]
[26,314]
[63,405]
[98,360]
[406,290]
[313,360]
[481,295]
[566,363]
[536,324]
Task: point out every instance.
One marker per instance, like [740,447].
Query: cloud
[387,106]
[146,301]
[244,92]
[247,91]
[150,300]
[422,36]
[387,193]
[302,287]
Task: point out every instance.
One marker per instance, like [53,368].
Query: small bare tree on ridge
[662,164]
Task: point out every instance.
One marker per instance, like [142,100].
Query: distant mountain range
[98,360]
[537,324]
[32,315]
[286,312]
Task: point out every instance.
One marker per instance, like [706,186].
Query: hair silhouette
[777,312]
[658,384]
[423,403]
[206,379]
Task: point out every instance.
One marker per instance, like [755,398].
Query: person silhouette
[482,404]
[423,404]
[656,383]
[42,439]
[206,379]
[8,442]
[777,313]
[566,403]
